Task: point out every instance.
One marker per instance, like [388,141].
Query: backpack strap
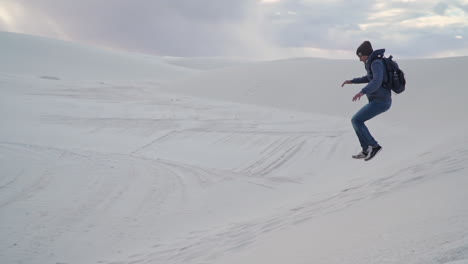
[385,62]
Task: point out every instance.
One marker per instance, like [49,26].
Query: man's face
[363,58]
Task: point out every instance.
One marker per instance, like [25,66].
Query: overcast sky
[249,28]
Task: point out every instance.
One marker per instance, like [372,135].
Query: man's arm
[362,79]
[378,76]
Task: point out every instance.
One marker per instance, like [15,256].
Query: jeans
[369,111]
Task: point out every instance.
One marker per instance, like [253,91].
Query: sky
[259,29]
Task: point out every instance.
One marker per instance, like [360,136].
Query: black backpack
[395,76]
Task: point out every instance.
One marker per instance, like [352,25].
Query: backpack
[395,76]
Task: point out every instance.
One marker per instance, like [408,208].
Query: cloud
[250,28]
[166,27]
[414,28]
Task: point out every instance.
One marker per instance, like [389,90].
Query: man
[380,98]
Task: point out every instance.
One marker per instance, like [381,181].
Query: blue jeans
[367,112]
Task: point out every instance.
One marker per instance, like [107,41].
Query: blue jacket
[376,76]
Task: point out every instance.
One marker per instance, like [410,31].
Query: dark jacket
[376,76]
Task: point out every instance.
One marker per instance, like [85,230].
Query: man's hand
[346,82]
[357,96]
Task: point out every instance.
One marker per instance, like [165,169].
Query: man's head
[364,50]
